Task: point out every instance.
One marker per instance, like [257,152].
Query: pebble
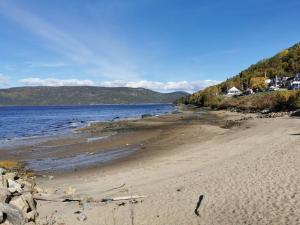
[2,171]
[82,217]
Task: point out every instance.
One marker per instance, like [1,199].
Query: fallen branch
[123,198]
[52,198]
[198,205]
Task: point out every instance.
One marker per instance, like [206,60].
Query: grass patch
[277,101]
[273,101]
[11,165]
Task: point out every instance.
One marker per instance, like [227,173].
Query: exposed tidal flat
[40,136]
[245,166]
[27,122]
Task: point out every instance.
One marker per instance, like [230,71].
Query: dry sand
[249,174]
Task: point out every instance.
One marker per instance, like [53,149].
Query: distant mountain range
[83,95]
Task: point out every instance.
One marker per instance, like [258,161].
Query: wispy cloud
[107,61]
[189,86]
[34,81]
[4,80]
[47,64]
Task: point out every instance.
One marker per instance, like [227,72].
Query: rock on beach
[17,205]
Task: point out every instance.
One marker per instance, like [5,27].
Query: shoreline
[55,128]
[245,165]
[246,169]
[101,138]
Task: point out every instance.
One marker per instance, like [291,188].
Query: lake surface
[42,121]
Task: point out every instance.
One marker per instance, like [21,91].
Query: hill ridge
[83,95]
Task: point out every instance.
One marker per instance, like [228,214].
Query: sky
[163,45]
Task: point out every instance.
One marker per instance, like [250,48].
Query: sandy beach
[247,170]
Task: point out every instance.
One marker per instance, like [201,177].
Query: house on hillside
[233,91]
[249,91]
[278,82]
[294,82]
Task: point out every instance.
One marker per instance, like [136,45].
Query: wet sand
[132,139]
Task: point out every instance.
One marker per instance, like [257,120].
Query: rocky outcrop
[17,205]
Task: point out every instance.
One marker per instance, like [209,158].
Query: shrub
[274,101]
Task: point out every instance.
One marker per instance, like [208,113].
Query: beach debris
[123,198]
[54,198]
[115,118]
[134,201]
[198,205]
[146,116]
[82,217]
[39,189]
[57,198]
[50,190]
[122,204]
[70,191]
[17,205]
[231,124]
[49,219]
[2,171]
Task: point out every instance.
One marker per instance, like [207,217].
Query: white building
[233,91]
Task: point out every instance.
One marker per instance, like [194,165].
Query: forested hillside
[285,63]
[84,95]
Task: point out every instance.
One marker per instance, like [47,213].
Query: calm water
[35,121]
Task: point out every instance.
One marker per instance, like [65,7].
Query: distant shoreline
[83,95]
[112,104]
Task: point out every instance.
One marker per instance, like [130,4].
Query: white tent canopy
[234,91]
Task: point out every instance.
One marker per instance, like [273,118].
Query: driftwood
[123,198]
[13,214]
[54,198]
[198,205]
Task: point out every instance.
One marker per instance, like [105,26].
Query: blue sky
[163,45]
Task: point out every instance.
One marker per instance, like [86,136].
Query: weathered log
[54,198]
[123,198]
